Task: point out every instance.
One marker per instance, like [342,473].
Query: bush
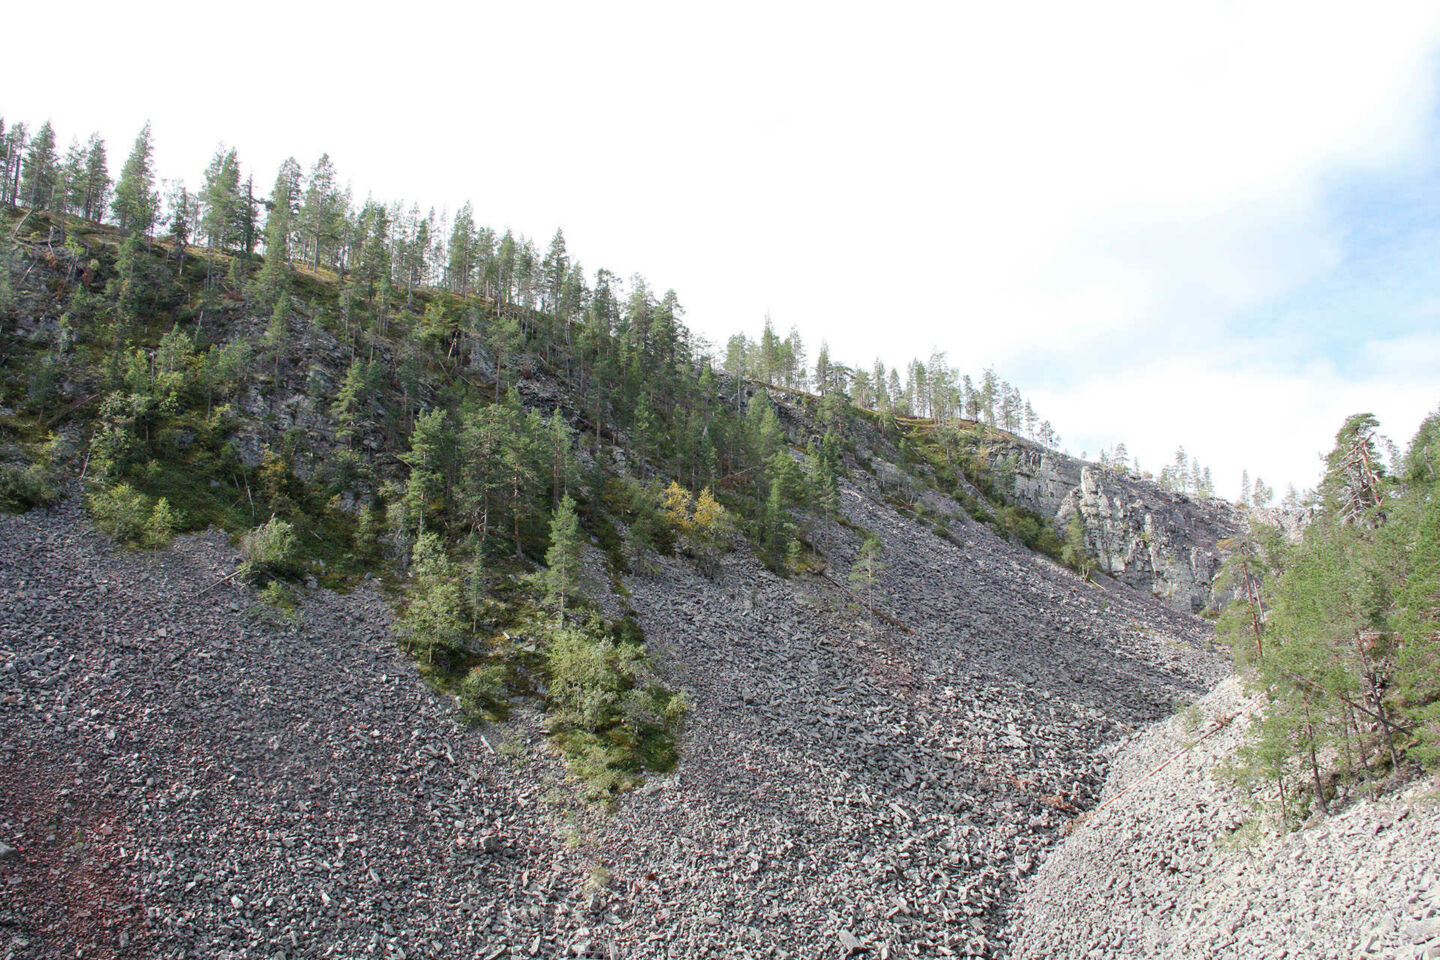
[280,599]
[123,513]
[161,526]
[25,486]
[483,691]
[270,552]
[610,714]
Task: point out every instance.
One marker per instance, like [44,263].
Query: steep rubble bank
[184,777]
[1173,869]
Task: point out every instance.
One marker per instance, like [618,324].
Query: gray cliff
[1142,534]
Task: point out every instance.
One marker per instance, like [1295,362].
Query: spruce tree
[96,179]
[274,276]
[220,200]
[865,576]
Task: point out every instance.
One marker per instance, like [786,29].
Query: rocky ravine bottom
[1167,872]
[183,777]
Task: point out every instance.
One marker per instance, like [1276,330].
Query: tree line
[929,388]
[390,250]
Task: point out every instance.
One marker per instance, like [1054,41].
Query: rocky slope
[184,776]
[1174,866]
[1151,538]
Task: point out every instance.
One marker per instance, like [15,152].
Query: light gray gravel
[1167,870]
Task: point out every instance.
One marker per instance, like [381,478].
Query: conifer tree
[277,333]
[41,170]
[274,276]
[563,559]
[865,577]
[462,251]
[95,196]
[429,462]
[136,201]
[12,148]
[181,219]
[220,200]
[321,213]
[436,618]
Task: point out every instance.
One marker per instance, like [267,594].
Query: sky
[1214,225]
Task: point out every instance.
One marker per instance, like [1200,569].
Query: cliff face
[1143,535]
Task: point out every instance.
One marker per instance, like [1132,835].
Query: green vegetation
[25,485]
[611,713]
[958,460]
[131,517]
[366,388]
[269,551]
[1341,630]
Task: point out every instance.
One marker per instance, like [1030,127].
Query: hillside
[197,776]
[195,764]
[348,612]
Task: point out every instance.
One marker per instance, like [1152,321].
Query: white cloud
[1237,409]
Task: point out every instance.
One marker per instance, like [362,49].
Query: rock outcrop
[1153,539]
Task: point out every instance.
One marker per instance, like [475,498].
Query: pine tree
[554,270]
[462,252]
[1261,494]
[40,173]
[136,200]
[563,559]
[865,576]
[321,213]
[1353,473]
[12,148]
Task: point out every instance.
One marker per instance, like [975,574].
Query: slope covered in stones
[1177,865]
[184,776]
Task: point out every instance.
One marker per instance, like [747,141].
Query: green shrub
[25,486]
[279,597]
[121,511]
[610,714]
[160,527]
[270,552]
[133,518]
[483,691]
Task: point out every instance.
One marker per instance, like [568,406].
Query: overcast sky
[1205,224]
